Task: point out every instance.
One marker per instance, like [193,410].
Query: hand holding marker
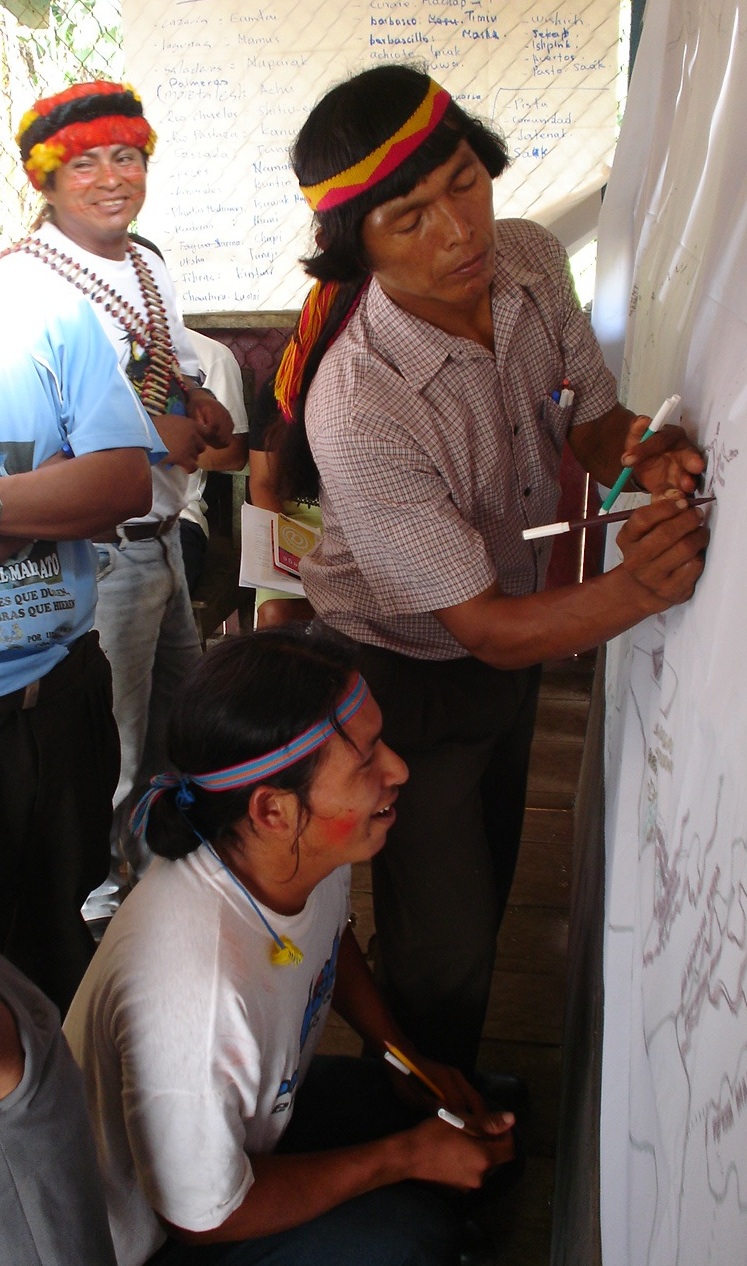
[556,529]
[594,520]
[657,423]
[394,1056]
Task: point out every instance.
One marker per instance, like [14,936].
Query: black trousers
[442,881]
[59,764]
[194,548]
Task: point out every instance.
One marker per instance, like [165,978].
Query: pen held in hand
[448,1117]
[660,417]
[395,1056]
[595,520]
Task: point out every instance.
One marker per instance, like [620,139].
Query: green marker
[657,423]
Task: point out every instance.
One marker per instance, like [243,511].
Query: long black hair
[247,696]
[349,122]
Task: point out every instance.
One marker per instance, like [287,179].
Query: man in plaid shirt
[440,364]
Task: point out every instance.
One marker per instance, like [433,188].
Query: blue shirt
[60,383]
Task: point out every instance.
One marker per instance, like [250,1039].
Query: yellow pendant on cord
[287,954]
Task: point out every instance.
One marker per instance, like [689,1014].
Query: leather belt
[139,531]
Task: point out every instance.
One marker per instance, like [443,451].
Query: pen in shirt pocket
[563,395]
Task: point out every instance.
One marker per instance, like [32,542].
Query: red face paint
[364,775]
[338,831]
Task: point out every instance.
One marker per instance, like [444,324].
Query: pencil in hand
[399,1060]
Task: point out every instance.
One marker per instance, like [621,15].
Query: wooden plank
[553,775]
[240,320]
[526,1008]
[543,875]
[547,824]
[563,720]
[576,1233]
[572,676]
[533,941]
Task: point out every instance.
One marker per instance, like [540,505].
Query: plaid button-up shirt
[434,453]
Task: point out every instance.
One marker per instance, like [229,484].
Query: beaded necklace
[160,378]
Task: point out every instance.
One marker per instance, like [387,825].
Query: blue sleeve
[100,409]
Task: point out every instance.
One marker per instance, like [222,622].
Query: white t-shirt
[192,1043]
[223,377]
[169,482]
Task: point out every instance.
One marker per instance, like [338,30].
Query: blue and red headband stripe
[251,772]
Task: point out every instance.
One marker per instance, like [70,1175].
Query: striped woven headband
[251,771]
[83,117]
[383,160]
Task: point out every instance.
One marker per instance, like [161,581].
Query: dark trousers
[194,548]
[59,764]
[341,1103]
[442,881]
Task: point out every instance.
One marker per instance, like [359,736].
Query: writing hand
[663,547]
[665,460]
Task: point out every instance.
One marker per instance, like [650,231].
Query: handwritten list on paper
[227,86]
